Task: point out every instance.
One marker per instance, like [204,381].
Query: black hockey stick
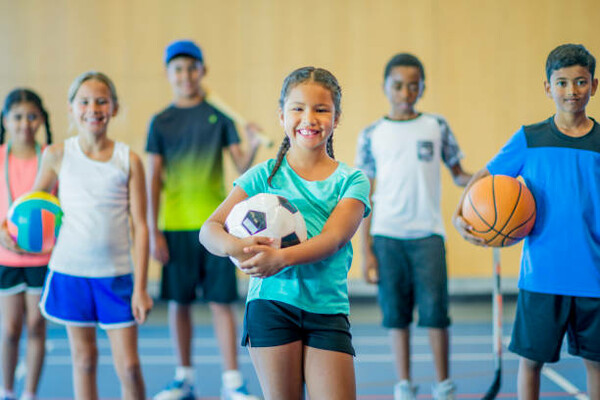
[497,329]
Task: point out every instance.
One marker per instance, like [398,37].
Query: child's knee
[131,374]
[86,362]
[531,365]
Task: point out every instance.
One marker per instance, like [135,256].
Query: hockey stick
[497,328]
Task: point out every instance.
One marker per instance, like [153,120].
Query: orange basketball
[500,209]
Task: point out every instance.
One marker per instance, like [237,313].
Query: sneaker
[176,390]
[405,390]
[239,393]
[444,390]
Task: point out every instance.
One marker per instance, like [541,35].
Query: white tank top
[94,239]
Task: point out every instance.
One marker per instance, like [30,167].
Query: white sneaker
[176,390]
[239,393]
[405,390]
[444,390]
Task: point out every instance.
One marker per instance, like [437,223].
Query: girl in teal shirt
[296,324]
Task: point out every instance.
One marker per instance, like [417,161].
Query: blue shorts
[80,301]
[543,319]
[269,323]
[412,271]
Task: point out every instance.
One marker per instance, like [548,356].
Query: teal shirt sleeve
[254,180]
[358,187]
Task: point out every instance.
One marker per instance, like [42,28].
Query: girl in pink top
[21,275]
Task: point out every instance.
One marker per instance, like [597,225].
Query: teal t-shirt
[320,287]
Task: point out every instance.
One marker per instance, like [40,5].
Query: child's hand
[264,261]
[370,268]
[7,241]
[240,255]
[463,227]
[141,304]
[159,248]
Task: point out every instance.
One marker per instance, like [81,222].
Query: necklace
[38,152]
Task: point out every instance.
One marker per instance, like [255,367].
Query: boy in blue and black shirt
[559,282]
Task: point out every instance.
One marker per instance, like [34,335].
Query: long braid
[2,128]
[330,146]
[47,126]
[285,145]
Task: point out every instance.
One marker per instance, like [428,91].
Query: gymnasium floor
[471,358]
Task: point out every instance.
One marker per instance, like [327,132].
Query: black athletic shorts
[191,266]
[270,323]
[543,319]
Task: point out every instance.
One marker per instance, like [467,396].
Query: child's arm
[47,175]
[338,230]
[141,303]
[370,268]
[158,243]
[214,237]
[459,176]
[243,158]
[457,219]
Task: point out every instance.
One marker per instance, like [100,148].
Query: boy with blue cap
[185,152]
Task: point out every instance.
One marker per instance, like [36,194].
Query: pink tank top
[21,175]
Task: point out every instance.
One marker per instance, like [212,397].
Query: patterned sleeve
[365,160]
[451,153]
[154,141]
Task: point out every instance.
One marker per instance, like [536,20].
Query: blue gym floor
[472,365]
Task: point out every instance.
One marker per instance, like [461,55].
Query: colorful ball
[34,220]
[500,210]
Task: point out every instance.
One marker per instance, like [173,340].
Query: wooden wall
[484,62]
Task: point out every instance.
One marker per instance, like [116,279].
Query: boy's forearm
[365,234]
[154,202]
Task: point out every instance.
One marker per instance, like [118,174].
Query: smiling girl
[92,280]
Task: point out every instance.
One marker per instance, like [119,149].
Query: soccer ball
[267,215]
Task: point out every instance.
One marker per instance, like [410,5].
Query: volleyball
[34,220]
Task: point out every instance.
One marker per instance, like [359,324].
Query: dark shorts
[269,323]
[412,271]
[543,319]
[191,266]
[15,280]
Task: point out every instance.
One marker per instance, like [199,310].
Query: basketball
[34,220]
[500,210]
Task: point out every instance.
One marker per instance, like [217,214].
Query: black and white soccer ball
[267,215]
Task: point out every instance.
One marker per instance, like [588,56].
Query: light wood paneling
[484,62]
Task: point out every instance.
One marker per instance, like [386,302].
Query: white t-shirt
[404,159]
[94,239]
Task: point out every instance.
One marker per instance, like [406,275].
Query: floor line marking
[563,383]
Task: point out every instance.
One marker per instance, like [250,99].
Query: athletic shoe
[444,390]
[240,393]
[176,390]
[404,390]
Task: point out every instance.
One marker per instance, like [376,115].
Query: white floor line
[563,383]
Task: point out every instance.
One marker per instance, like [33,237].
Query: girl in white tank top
[101,187]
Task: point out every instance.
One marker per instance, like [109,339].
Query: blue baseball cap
[183,48]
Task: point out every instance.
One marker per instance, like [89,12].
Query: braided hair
[297,77]
[22,95]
